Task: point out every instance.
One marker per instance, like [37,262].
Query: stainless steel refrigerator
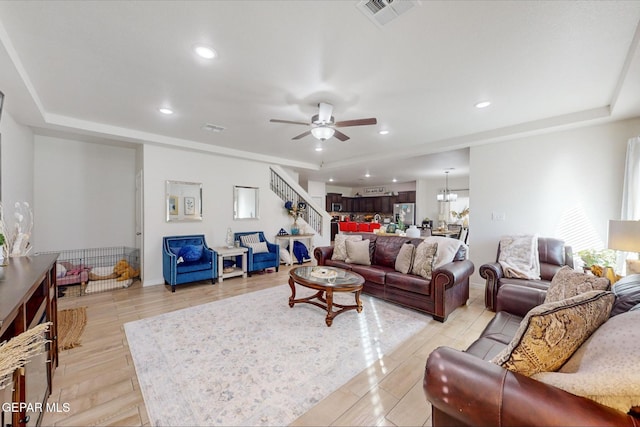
[409,210]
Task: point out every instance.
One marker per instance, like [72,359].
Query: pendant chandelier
[446,195]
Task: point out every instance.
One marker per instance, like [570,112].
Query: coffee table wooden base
[326,303]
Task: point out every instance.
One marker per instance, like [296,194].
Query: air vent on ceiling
[212,128]
[382,12]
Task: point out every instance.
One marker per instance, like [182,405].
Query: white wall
[16,167]
[565,184]
[84,194]
[218,175]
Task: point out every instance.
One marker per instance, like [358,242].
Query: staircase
[288,190]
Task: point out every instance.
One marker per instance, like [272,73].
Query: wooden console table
[297,237]
[28,297]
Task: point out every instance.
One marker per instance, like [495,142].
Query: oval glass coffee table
[326,280]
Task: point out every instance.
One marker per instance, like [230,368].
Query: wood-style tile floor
[98,379]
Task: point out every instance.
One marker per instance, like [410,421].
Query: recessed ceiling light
[483,104]
[166,110]
[383,132]
[330,179]
[204,51]
[394,180]
[367,175]
[318,148]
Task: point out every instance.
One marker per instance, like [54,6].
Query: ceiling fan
[323,124]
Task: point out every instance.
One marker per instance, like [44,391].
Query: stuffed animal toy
[124,270]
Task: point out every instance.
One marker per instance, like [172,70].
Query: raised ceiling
[103,68]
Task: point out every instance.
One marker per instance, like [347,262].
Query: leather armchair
[175,273]
[262,260]
[553,255]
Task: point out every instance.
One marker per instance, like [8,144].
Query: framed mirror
[183,201]
[245,202]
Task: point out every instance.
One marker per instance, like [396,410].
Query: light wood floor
[98,380]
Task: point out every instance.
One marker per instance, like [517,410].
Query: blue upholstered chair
[259,260]
[188,259]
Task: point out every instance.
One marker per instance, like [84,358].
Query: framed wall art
[183,201]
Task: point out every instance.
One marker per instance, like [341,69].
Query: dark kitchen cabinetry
[378,204]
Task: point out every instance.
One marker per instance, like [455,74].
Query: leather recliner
[553,255]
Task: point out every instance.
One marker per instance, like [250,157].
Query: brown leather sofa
[553,255]
[447,290]
[466,390]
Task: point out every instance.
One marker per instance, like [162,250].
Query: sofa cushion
[424,259]
[404,261]
[569,282]
[372,273]
[338,263]
[448,249]
[357,252]
[550,333]
[627,292]
[605,367]
[408,282]
[191,253]
[339,246]
[387,249]
[187,267]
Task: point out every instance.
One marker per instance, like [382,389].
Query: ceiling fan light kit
[322,132]
[323,124]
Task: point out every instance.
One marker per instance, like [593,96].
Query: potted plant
[599,262]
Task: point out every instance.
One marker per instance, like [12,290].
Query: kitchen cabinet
[372,205]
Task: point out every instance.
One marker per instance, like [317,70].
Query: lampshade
[624,235]
[322,132]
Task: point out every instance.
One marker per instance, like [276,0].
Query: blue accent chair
[190,270]
[262,260]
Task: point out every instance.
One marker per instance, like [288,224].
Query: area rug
[71,323]
[252,360]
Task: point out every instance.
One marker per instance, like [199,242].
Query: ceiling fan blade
[288,122]
[302,135]
[356,122]
[341,136]
[324,112]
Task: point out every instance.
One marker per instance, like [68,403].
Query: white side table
[297,237]
[223,252]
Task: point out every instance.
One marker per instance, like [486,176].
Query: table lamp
[625,236]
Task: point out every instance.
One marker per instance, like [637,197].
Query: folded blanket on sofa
[519,256]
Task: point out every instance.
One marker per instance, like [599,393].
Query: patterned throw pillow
[550,333]
[404,260]
[250,238]
[339,247]
[357,252]
[424,259]
[258,247]
[567,283]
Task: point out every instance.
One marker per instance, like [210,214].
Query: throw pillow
[285,257]
[404,260]
[259,247]
[61,270]
[605,367]
[339,247]
[191,253]
[250,238]
[358,252]
[447,249]
[627,291]
[424,259]
[550,333]
[567,283]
